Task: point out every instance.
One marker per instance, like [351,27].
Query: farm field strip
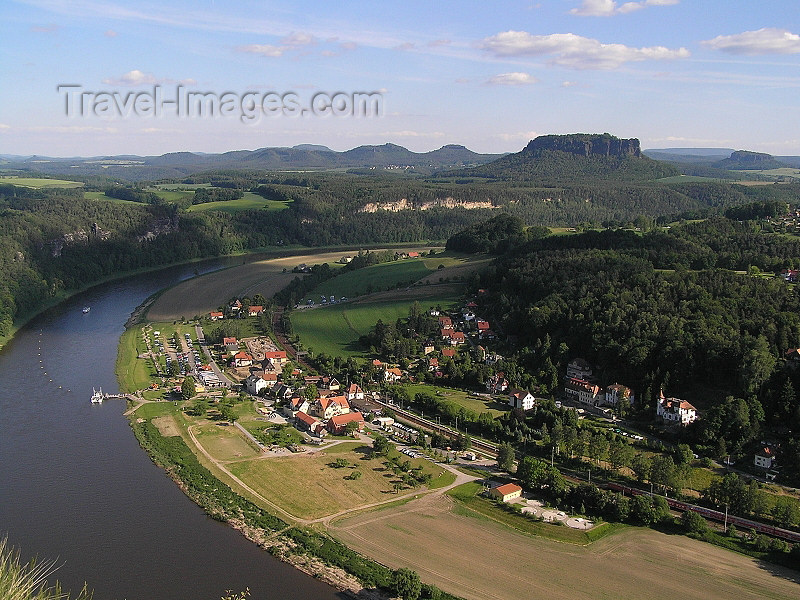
[457,551]
[37,182]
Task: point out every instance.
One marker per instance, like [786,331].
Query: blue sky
[488,75]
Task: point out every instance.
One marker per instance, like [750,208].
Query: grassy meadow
[38,183]
[335,330]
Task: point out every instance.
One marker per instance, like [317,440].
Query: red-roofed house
[445,323]
[354,392]
[308,423]
[482,325]
[231,344]
[584,392]
[506,492]
[242,359]
[457,337]
[216,315]
[271,379]
[433,364]
[325,408]
[338,423]
[277,357]
[449,352]
[255,311]
[393,374]
[413,254]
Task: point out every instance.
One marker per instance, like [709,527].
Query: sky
[486,75]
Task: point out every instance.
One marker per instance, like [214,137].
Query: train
[714,515]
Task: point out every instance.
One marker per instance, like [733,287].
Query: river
[75,486]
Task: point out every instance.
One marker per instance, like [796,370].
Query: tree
[188,388]
[642,510]
[351,428]
[532,472]
[226,412]
[406,584]
[693,522]
[641,466]
[311,392]
[620,454]
[200,407]
[505,456]
[381,445]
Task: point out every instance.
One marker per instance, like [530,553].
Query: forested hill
[575,158]
[304,156]
[664,308]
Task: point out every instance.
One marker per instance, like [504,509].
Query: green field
[335,330]
[249,201]
[325,489]
[372,279]
[102,196]
[459,397]
[33,182]
[172,195]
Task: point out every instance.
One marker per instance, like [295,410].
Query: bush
[694,523]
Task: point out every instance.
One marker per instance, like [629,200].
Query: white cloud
[515,78]
[567,84]
[440,42]
[520,135]
[132,78]
[405,46]
[348,45]
[768,40]
[110,33]
[608,8]
[574,51]
[298,38]
[137,77]
[263,50]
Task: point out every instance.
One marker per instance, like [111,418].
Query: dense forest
[686,310]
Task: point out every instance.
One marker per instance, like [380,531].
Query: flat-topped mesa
[587,144]
[755,158]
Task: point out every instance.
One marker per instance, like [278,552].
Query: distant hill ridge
[741,160]
[585,144]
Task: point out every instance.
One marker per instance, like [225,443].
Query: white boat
[97,396]
[86,309]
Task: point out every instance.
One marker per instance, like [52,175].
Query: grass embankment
[133,373]
[335,330]
[471,504]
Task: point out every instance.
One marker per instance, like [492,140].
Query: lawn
[307,486]
[376,278]
[460,397]
[223,441]
[249,201]
[33,182]
[335,330]
[133,373]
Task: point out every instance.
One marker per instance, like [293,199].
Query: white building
[255,385]
[617,392]
[521,399]
[676,411]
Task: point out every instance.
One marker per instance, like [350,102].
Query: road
[201,339]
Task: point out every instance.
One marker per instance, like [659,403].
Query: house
[675,410]
[242,359]
[255,311]
[354,392]
[428,348]
[377,363]
[578,368]
[331,383]
[617,392]
[506,492]
[255,385]
[325,408]
[282,391]
[277,357]
[413,254]
[305,422]
[487,334]
[235,306]
[580,390]
[482,325]
[497,383]
[392,375]
[445,323]
[216,315]
[471,305]
[433,364]
[270,379]
[231,345]
[449,352]
[521,399]
[298,403]
[338,424]
[765,458]
[456,338]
